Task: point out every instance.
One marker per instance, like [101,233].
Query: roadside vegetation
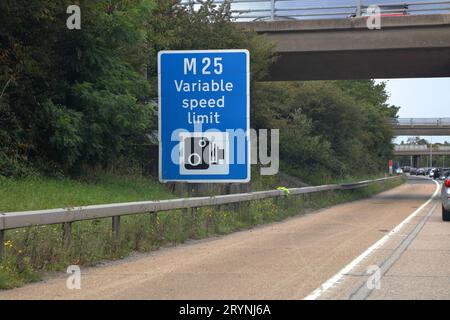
[32,252]
[73,102]
[34,193]
[78,110]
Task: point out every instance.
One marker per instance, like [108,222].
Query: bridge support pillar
[415,161]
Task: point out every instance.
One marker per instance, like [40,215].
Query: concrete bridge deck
[413,46]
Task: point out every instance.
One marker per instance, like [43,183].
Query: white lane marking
[363,292]
[348,268]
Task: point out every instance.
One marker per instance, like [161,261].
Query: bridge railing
[67,216]
[419,148]
[438,122]
[270,10]
[410,147]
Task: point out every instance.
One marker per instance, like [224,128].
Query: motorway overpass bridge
[416,46]
[421,126]
[332,42]
[417,152]
[420,150]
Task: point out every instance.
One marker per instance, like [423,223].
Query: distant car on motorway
[420,172]
[445,196]
[399,171]
[431,173]
[444,175]
[437,173]
[406,169]
[413,171]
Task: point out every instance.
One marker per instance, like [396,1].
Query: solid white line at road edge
[348,268]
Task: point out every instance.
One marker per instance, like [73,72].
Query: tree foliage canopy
[328,128]
[71,99]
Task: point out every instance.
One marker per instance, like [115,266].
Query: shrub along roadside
[30,252]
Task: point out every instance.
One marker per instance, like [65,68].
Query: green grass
[30,252]
[42,193]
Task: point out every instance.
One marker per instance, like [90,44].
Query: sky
[420,98]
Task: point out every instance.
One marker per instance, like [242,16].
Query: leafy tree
[78,96]
[329,129]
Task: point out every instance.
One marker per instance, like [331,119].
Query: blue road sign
[204,116]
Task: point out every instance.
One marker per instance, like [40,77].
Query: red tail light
[447,183]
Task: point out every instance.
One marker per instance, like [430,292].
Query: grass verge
[30,252]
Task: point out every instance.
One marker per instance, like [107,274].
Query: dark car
[413,171]
[420,172]
[437,173]
[406,169]
[444,175]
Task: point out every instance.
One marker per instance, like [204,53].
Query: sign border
[247,180]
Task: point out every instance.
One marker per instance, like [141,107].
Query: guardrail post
[2,244]
[153,218]
[277,201]
[116,227]
[194,222]
[67,233]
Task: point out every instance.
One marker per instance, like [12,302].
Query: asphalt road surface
[391,246]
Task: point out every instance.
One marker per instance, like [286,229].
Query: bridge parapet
[276,10]
[414,150]
[327,43]
[438,122]
[421,126]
